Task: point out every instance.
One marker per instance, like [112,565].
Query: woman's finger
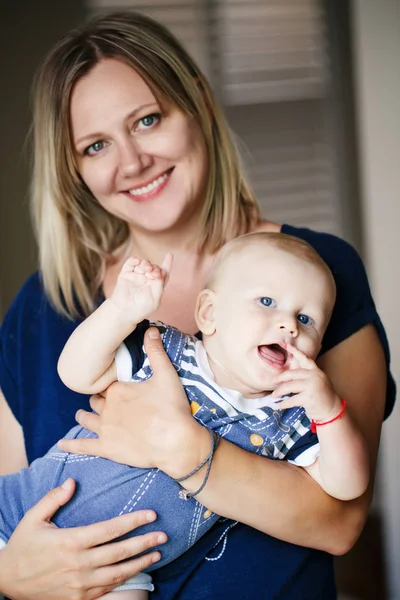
[90,446]
[97,403]
[46,508]
[158,358]
[107,531]
[110,554]
[107,578]
[88,420]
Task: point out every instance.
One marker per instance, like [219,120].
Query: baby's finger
[156,273]
[291,375]
[143,267]
[167,264]
[130,263]
[292,401]
[290,387]
[303,361]
[285,404]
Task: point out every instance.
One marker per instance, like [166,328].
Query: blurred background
[312,90]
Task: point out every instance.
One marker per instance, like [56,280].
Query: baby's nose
[290,326]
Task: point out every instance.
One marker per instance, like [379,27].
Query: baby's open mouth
[274,353]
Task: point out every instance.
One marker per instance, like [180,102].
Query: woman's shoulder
[29,300]
[31,315]
[28,297]
[336,252]
[352,286]
[31,288]
[354,306]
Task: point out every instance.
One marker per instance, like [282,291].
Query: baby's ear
[205,311]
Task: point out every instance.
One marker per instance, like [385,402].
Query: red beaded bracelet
[314,425]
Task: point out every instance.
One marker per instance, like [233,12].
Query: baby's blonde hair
[287,243]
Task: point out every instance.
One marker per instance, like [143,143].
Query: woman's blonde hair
[76,236]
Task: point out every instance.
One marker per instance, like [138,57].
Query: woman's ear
[205,312]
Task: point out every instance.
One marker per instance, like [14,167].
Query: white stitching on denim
[193,529]
[71,460]
[150,473]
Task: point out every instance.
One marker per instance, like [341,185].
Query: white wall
[377,70]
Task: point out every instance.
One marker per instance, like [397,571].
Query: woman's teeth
[150,187]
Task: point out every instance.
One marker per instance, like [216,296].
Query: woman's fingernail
[150,517]
[161,538]
[156,557]
[154,333]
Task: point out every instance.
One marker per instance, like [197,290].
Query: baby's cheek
[313,347]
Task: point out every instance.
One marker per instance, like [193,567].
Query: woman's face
[145,163]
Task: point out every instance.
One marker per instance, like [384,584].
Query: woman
[132,155]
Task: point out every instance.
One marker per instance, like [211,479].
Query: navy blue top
[250,564]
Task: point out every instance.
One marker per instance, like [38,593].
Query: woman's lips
[152,189]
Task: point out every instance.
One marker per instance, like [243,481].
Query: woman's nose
[131,159]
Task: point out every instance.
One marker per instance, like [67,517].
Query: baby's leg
[128,595]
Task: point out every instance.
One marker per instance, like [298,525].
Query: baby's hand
[310,387]
[140,286]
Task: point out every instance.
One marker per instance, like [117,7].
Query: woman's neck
[188,275]
[155,245]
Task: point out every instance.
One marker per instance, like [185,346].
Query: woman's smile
[151,189]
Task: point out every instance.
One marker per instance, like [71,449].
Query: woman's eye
[149,121]
[94,148]
[304,320]
[265,301]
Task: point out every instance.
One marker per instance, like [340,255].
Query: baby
[252,380]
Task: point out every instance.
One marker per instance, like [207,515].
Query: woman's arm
[272,496]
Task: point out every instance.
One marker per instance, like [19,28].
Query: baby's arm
[87,364]
[342,468]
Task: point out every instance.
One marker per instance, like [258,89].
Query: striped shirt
[257,425]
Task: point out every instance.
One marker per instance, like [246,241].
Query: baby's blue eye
[304,319]
[265,301]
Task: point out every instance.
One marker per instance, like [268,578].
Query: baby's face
[265,298]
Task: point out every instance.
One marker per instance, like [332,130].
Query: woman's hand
[43,562]
[145,424]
